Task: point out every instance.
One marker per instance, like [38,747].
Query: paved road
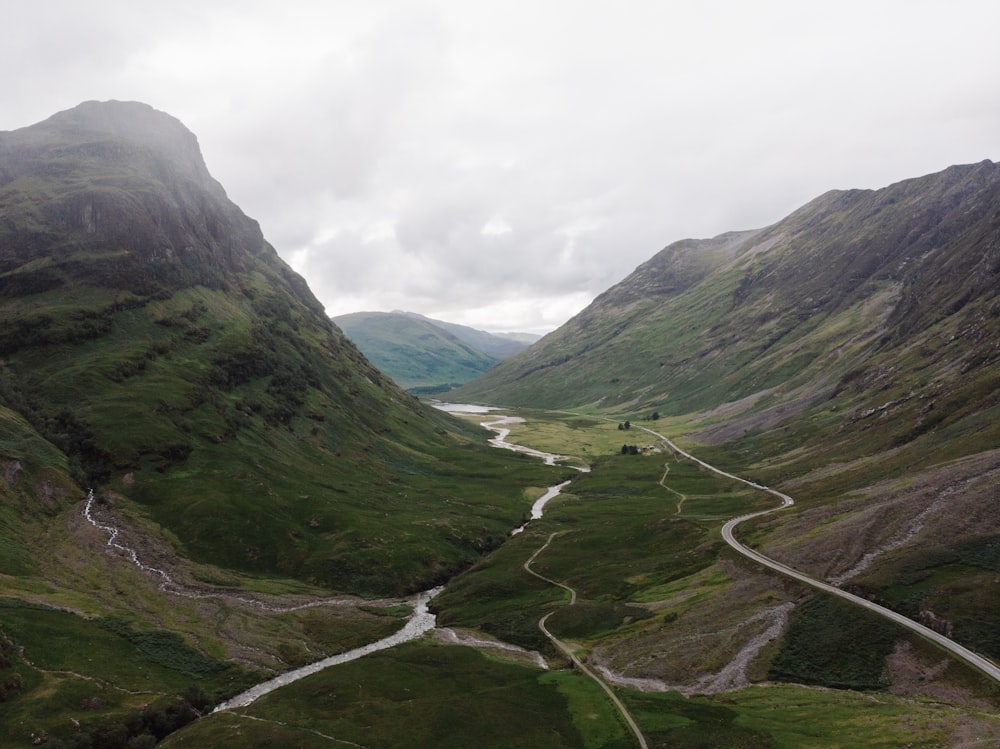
[986,666]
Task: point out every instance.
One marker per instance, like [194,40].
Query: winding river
[499,425]
[422,620]
[419,622]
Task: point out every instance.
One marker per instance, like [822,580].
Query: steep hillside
[154,347]
[418,354]
[860,300]
[848,355]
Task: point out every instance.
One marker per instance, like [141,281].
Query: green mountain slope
[419,354]
[497,345]
[847,355]
[865,297]
[153,346]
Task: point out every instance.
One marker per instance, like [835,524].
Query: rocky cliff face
[125,181]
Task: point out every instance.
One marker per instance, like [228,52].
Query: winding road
[984,665]
[568,652]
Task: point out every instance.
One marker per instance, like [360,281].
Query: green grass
[97,671]
[588,619]
[416,695]
[824,719]
[669,720]
[113,651]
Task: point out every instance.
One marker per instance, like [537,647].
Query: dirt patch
[735,408]
[476,639]
[703,642]
[919,673]
[945,504]
[738,426]
[975,733]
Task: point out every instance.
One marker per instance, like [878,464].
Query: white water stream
[419,622]
[498,425]
[539,507]
[113,534]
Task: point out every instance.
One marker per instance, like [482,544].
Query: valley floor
[617,616]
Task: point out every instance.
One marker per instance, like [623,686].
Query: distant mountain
[154,346]
[497,345]
[423,355]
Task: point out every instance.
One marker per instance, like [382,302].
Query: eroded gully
[975,660]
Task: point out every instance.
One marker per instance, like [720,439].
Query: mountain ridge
[423,355]
[848,356]
[743,269]
[498,345]
[155,338]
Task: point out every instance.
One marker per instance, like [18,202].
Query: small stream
[538,508]
[499,425]
[113,534]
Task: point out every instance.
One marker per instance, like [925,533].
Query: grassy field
[428,695]
[95,671]
[792,717]
[649,577]
[421,695]
[660,597]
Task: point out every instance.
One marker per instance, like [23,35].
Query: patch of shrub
[91,463]
[981,552]
[166,649]
[591,618]
[836,644]
[11,682]
[137,730]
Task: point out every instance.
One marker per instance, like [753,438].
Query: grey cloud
[375,141]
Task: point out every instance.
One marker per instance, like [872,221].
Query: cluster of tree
[77,326]
[140,729]
[628,424]
[11,682]
[630,449]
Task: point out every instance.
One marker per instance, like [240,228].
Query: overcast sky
[499,164]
